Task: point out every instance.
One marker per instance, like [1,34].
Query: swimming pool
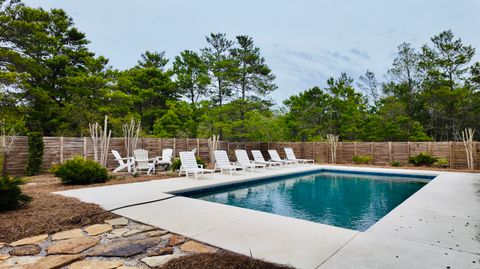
[344,199]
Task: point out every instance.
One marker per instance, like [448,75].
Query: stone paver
[92,264]
[175,239]
[196,247]
[160,251]
[117,232]
[19,261]
[97,229]
[53,262]
[157,261]
[4,257]
[156,233]
[25,250]
[118,221]
[30,240]
[72,245]
[124,247]
[74,233]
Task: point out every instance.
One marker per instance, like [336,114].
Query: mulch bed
[50,213]
[220,260]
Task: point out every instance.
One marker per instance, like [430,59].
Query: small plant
[136,174]
[422,159]
[362,159]
[81,171]
[35,153]
[11,196]
[441,163]
[176,163]
[395,163]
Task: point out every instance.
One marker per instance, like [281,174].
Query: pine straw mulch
[50,213]
[220,260]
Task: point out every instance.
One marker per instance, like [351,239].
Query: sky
[304,42]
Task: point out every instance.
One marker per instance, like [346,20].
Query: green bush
[395,163]
[176,163]
[441,163]
[35,153]
[362,159]
[80,171]
[11,196]
[422,159]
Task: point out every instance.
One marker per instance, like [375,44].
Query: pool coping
[241,230]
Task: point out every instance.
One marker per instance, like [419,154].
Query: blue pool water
[349,200]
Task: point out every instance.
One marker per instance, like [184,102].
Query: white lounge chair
[291,157]
[223,163]
[276,158]
[166,158]
[245,162]
[190,166]
[142,162]
[122,162]
[258,158]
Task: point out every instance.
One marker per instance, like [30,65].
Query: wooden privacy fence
[59,149]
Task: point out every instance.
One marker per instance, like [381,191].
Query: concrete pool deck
[437,227]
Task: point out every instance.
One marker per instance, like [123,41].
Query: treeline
[52,83]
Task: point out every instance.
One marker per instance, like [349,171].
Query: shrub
[35,153]
[441,163]
[422,159]
[11,196]
[395,163]
[176,163]
[81,171]
[361,159]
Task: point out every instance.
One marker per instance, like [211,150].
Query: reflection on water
[344,200]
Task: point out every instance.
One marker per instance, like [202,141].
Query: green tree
[254,79]
[347,108]
[308,115]
[223,70]
[192,75]
[446,95]
[179,121]
[154,59]
[47,64]
[146,91]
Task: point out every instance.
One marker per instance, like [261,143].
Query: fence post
[390,151]
[198,148]
[326,152]
[371,150]
[355,148]
[450,154]
[174,146]
[85,147]
[474,153]
[61,149]
[409,151]
[313,150]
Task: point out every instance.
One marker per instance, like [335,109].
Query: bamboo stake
[467,137]
[333,142]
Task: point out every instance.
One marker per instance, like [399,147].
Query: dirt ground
[49,213]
